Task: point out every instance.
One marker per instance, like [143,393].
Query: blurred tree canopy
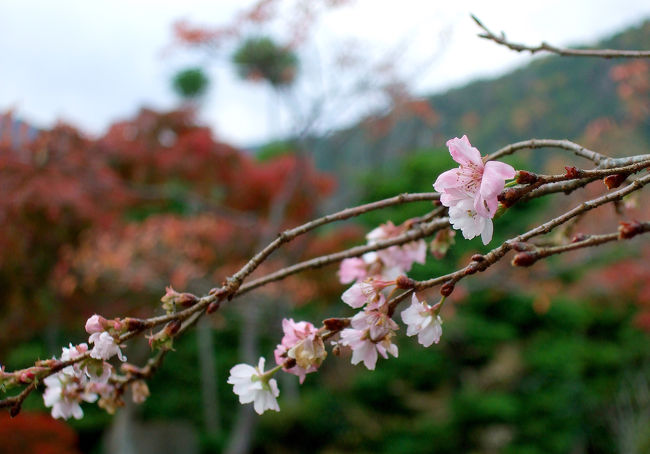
[260,58]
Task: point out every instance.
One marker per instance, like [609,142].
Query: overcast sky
[91,62]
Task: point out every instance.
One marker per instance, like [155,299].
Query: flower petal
[486,234]
[463,152]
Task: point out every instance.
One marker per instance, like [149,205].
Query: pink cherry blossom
[365,292]
[73,351]
[302,343]
[421,319]
[104,347]
[463,217]
[364,349]
[397,258]
[473,180]
[371,334]
[354,269]
[482,182]
[67,388]
[64,391]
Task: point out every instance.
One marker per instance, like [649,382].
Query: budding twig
[499,252]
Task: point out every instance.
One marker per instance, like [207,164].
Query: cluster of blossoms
[88,379]
[386,263]
[370,332]
[470,192]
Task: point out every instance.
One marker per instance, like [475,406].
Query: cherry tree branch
[575,148]
[566,52]
[178,322]
[416,233]
[482,262]
[236,279]
[529,254]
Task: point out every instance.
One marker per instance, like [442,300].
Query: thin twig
[416,233]
[566,52]
[577,149]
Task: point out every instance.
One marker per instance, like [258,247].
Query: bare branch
[318,262]
[530,257]
[577,149]
[566,52]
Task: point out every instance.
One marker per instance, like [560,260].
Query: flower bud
[172,328]
[579,237]
[525,258]
[629,230]
[572,172]
[117,325]
[524,177]
[336,324]
[186,299]
[96,324]
[521,246]
[477,258]
[614,181]
[26,376]
[133,324]
[213,306]
[404,282]
[508,197]
[446,289]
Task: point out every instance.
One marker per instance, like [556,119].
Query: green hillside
[552,97]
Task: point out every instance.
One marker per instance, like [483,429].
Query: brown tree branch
[566,52]
[499,252]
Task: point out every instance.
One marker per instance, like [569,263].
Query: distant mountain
[552,97]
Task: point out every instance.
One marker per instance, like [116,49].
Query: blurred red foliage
[36,433]
[104,225]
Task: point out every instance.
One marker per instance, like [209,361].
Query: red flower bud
[446,289]
[614,181]
[172,327]
[521,246]
[404,282]
[26,377]
[579,237]
[508,197]
[572,172]
[629,230]
[477,258]
[524,177]
[186,300]
[335,324]
[525,258]
[133,324]
[213,306]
